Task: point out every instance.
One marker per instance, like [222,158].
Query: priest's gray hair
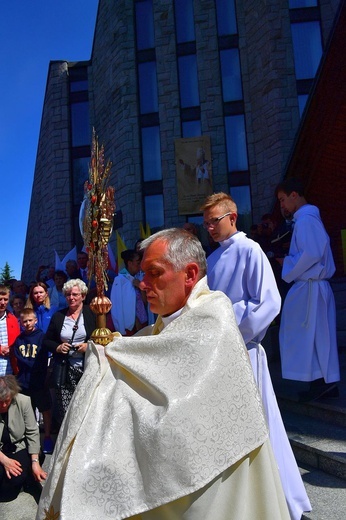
[182,248]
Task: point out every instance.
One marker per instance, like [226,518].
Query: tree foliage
[5,274]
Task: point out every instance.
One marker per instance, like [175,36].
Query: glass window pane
[151,153]
[296,4]
[230,75]
[148,97]
[154,211]
[196,219]
[242,198]
[226,17]
[185,27]
[307,48]
[236,143]
[302,99]
[192,128]
[80,175]
[189,96]
[79,86]
[80,124]
[144,25]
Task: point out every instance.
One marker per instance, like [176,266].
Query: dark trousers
[14,484]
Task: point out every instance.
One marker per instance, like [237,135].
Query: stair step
[316,443]
[332,411]
[328,501]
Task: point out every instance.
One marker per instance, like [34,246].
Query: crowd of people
[183,315]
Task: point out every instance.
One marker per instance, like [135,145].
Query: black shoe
[322,391]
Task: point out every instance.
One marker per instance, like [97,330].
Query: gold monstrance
[99,208]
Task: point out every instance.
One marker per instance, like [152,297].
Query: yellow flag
[148,231]
[120,248]
[141,231]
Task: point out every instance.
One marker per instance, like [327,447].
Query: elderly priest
[167,424]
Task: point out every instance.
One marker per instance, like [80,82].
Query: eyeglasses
[213,222]
[72,295]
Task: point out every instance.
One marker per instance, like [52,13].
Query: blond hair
[221,199]
[27,311]
[30,303]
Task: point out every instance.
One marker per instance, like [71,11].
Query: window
[230,75]
[80,168]
[242,198]
[80,124]
[78,86]
[184,20]
[154,216]
[307,47]
[296,4]
[144,25]
[78,79]
[188,82]
[302,99]
[191,128]
[236,143]
[226,17]
[151,153]
[148,95]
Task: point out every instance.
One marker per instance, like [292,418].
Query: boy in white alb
[240,269]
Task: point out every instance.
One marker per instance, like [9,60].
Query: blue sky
[32,33]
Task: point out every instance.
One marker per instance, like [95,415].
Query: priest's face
[166,290]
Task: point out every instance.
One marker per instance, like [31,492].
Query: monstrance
[97,226]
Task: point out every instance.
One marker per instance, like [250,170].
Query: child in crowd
[17,303]
[32,361]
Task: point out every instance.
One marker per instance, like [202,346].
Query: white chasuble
[156,418]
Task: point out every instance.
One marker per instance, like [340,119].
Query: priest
[167,423]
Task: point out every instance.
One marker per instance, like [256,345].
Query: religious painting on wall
[194,173]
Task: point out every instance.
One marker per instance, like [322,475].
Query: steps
[317,442]
[326,493]
[317,433]
[316,430]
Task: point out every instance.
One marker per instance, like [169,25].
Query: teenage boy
[308,342]
[32,360]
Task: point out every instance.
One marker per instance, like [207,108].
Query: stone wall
[49,224]
[271,105]
[113,108]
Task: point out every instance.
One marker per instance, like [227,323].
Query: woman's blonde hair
[30,303]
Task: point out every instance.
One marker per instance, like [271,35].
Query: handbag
[60,368]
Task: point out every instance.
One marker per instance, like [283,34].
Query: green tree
[5,274]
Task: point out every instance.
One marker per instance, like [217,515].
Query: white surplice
[167,426]
[123,298]
[308,343]
[241,270]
